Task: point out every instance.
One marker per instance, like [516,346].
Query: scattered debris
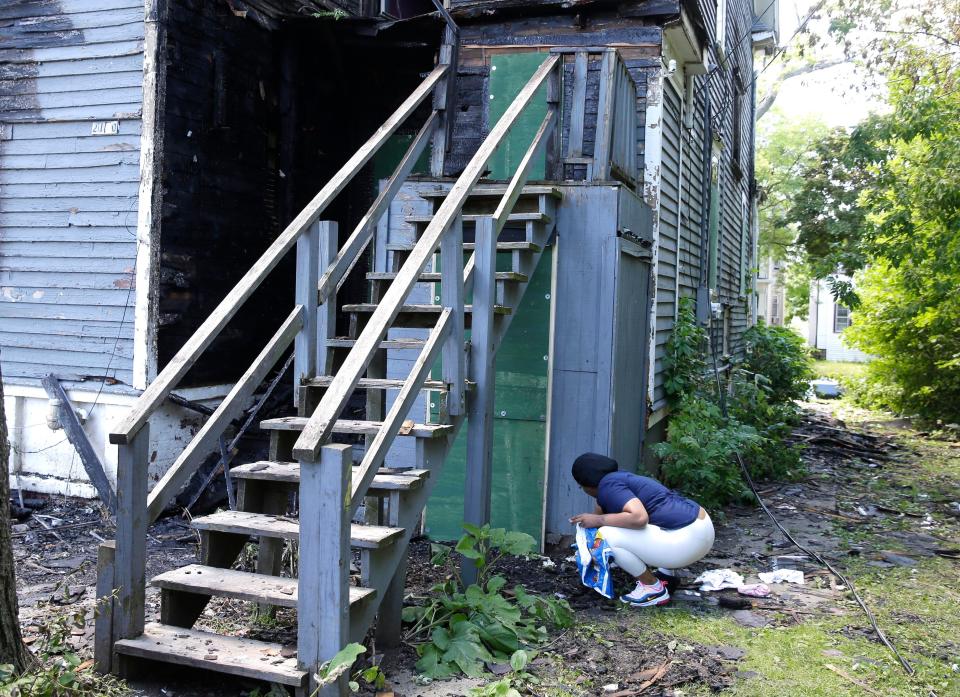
[782,576]
[755,590]
[718,579]
[898,559]
[748,618]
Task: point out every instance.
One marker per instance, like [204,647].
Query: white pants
[635,550]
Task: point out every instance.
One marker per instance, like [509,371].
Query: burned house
[465,229]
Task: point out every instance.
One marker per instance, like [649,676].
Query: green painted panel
[390,154]
[519,427]
[509,72]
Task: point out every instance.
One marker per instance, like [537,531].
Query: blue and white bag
[593,561]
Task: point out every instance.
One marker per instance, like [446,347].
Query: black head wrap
[590,468]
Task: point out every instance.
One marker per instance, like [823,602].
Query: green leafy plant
[684,363]
[57,669]
[749,402]
[697,456]
[501,688]
[780,356]
[331,670]
[462,629]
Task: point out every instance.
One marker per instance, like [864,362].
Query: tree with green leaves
[885,199]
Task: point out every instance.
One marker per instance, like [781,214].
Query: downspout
[706,193]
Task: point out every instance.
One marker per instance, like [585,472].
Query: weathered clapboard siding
[732,99]
[672,175]
[68,198]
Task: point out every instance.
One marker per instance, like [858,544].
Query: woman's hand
[588,520]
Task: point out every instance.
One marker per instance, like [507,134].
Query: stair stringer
[382,566]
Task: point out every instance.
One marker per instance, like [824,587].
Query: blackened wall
[256,122]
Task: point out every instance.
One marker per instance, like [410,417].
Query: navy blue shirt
[667,509]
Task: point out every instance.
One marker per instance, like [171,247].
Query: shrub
[749,403]
[698,456]
[778,354]
[698,453]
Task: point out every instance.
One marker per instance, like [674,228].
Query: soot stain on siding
[24,27]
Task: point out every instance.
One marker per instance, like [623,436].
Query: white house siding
[68,228]
[820,327]
[68,198]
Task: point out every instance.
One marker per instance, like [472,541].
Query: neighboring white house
[771,293]
[827,321]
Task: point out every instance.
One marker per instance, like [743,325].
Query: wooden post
[323,609]
[103,628]
[390,615]
[327,315]
[443,101]
[308,276]
[601,145]
[129,575]
[451,296]
[476,509]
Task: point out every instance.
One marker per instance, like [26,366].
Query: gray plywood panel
[600,304]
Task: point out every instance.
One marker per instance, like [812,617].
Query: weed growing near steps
[57,670]
[698,454]
[461,629]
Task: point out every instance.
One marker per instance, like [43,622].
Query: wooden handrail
[348,256]
[377,451]
[230,408]
[515,187]
[190,352]
[318,428]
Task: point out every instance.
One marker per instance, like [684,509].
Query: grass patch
[839,370]
[915,609]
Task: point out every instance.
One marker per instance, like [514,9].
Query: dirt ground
[879,500]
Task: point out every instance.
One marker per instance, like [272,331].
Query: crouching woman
[644,523]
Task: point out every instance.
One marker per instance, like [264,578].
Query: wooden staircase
[309,477]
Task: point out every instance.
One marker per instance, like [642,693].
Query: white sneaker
[647,595]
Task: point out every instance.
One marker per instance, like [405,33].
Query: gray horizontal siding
[68,198]
[668,251]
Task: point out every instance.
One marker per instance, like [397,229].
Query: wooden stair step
[377,383]
[473,217]
[249,658]
[240,585]
[264,525]
[422,309]
[289,473]
[469,246]
[358,428]
[431,277]
[509,246]
[388,344]
[486,190]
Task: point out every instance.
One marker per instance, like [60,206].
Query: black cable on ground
[810,553]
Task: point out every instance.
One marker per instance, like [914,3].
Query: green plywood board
[509,72]
[519,429]
[390,154]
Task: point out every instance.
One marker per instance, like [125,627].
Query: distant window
[841,318]
[775,311]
